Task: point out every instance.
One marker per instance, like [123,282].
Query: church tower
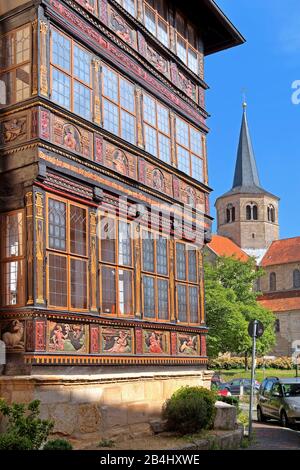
[247,214]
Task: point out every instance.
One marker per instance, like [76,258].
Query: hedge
[283,363]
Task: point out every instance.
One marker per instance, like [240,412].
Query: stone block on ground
[225,418]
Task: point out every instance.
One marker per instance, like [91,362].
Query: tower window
[251,212]
[277,326]
[272,281]
[271,213]
[296,279]
[230,214]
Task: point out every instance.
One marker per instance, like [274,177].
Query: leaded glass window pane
[78,284]
[181,49]
[149,297]
[150,20]
[61,88]
[108,284]
[78,235]
[193,60]
[183,158]
[197,168]
[127,95]
[13,235]
[128,127]
[148,252]
[22,45]
[57,225]
[125,292]
[111,117]
[192,256]
[8,81]
[125,256]
[196,145]
[58,280]
[149,110]
[108,240]
[163,123]
[82,100]
[61,50]
[110,84]
[182,303]
[13,279]
[129,5]
[164,148]
[163,299]
[162,32]
[22,83]
[180,261]
[182,132]
[151,142]
[82,65]
[193,301]
[161,256]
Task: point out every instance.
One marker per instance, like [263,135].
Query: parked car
[235,386]
[279,399]
[216,380]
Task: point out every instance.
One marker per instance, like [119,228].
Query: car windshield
[291,390]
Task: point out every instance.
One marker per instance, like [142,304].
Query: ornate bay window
[187,285]
[189,149]
[157,129]
[12,259]
[71,74]
[155,275]
[15,65]
[116,267]
[118,105]
[67,254]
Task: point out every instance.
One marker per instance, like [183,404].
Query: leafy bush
[227,363]
[189,410]
[23,421]
[11,441]
[58,444]
[230,400]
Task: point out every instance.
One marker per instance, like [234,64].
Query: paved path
[273,437]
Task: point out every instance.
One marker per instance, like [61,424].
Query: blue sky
[266,66]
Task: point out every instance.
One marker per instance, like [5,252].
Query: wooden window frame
[13,68]
[187,283]
[156,128]
[189,148]
[158,18]
[116,266]
[156,276]
[121,2]
[20,259]
[70,74]
[67,253]
[187,47]
[118,102]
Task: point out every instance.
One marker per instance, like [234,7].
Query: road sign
[256,325]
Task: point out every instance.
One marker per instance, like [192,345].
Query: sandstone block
[225,418]
[89,418]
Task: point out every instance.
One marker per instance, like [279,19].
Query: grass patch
[260,374]
[106,443]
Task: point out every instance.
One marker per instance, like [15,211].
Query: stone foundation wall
[98,406]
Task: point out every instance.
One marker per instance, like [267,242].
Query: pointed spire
[246,174]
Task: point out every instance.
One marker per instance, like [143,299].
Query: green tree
[231,303]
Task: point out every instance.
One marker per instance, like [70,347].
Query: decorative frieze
[43,70]
[39,247]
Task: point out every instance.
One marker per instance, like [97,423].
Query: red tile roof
[223,246]
[282,252]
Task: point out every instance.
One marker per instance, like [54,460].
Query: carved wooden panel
[158,179]
[120,26]
[15,130]
[120,161]
[71,137]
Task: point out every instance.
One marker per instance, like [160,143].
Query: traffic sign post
[255,330]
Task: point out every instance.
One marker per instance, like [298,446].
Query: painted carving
[157,60]
[14,130]
[34,123]
[29,335]
[45,124]
[173,343]
[93,261]
[176,189]
[188,87]
[40,335]
[88,4]
[71,138]
[187,344]
[121,28]
[142,170]
[203,345]
[116,341]
[191,196]
[120,162]
[67,337]
[97,102]
[158,181]
[43,73]
[155,342]
[39,249]
[139,341]
[98,148]
[95,339]
[13,335]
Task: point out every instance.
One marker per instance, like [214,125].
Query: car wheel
[260,416]
[284,419]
